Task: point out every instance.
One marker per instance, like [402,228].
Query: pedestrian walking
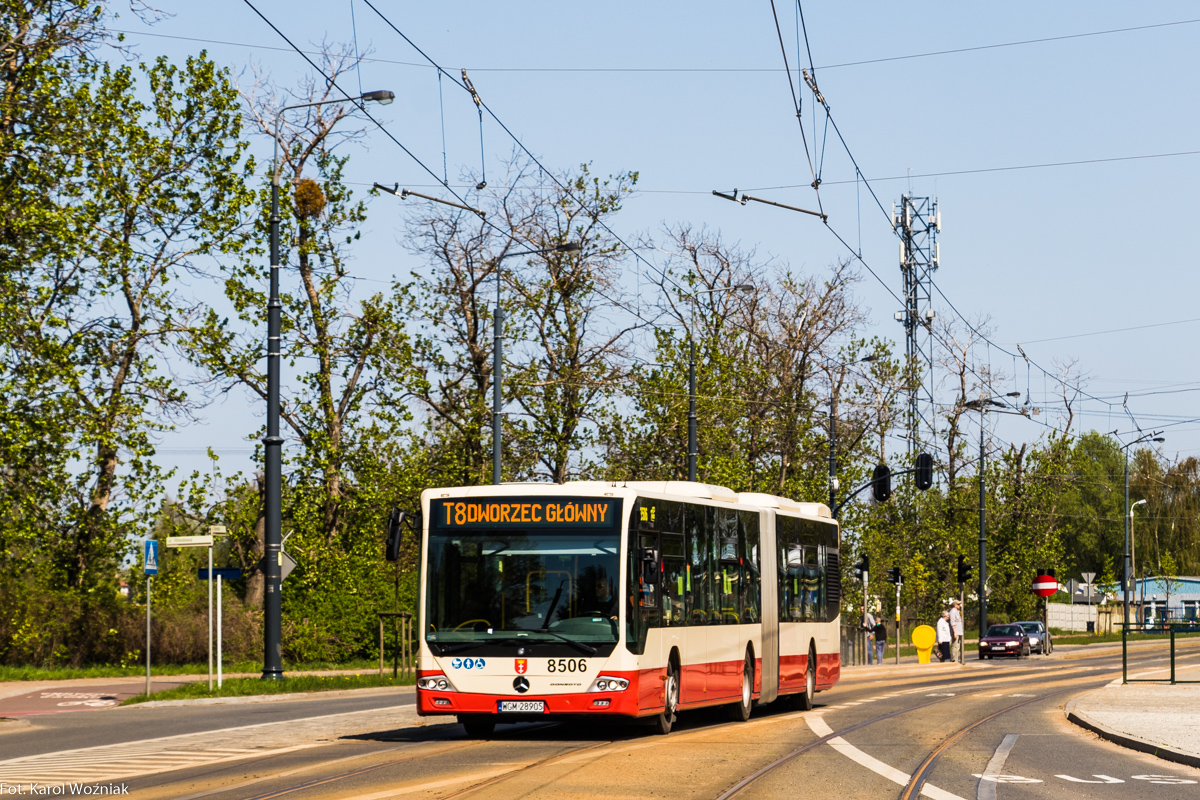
[943,637]
[880,640]
[869,627]
[956,630]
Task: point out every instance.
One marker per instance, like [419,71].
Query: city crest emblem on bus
[522,666]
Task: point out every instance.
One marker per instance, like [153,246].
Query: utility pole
[917,222]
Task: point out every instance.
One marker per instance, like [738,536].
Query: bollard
[923,638]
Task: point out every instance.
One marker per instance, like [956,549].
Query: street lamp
[1128,567]
[983,405]
[498,349]
[273,442]
[693,450]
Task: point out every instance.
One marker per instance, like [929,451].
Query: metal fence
[1173,630]
[403,658]
[854,646]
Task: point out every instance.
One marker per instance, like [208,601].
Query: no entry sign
[1045,585]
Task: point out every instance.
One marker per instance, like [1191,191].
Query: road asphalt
[1150,715]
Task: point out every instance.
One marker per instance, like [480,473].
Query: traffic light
[862,567]
[924,476]
[881,483]
[395,531]
[964,570]
[894,576]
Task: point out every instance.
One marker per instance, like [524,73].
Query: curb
[271,698]
[1133,744]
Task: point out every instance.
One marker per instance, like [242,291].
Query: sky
[1059,141]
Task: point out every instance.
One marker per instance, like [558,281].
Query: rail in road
[946,735]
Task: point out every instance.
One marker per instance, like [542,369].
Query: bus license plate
[521,706]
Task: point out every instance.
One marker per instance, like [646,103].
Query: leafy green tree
[154,191]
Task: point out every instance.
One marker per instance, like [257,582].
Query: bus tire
[477,727]
[740,711]
[664,721]
[805,701]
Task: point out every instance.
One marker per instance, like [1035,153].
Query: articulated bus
[632,599]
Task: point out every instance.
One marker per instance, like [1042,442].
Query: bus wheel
[664,721]
[477,727]
[740,711]
[805,701]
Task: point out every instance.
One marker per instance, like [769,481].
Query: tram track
[921,775]
[589,752]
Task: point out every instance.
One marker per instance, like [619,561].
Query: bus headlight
[436,683]
[607,683]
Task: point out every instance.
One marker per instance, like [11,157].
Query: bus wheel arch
[671,692]
[810,678]
[740,711]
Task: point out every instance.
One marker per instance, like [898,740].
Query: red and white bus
[631,599]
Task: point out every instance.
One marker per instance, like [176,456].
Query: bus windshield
[495,586]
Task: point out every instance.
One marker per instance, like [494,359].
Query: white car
[1039,637]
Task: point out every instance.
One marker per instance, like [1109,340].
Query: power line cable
[561,186]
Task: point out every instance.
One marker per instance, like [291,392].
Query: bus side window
[696,583]
[674,578]
[748,554]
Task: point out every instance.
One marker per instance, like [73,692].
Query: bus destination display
[525,512]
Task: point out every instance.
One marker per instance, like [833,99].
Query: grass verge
[67,673]
[245,687]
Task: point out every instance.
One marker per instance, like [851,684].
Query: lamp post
[1132,543]
[498,350]
[983,405]
[1128,566]
[693,446]
[273,442]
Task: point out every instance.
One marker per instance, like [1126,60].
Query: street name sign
[189,541]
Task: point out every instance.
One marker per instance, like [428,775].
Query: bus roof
[682,489]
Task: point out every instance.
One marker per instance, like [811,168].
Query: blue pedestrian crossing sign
[151,559]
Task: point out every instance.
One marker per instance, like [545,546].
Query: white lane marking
[987,783]
[1164,779]
[111,762]
[1006,778]
[820,728]
[1103,779]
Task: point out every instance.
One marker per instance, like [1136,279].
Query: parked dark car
[1039,637]
[1004,640]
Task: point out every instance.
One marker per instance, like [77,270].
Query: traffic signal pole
[898,585]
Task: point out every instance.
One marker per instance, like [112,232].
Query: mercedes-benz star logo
[521,684]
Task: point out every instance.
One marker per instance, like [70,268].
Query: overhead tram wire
[698,70]
[332,83]
[566,190]
[892,225]
[796,106]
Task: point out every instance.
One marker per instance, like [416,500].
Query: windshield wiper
[580,646]
[450,649]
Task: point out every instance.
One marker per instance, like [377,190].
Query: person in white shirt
[943,636]
[956,629]
[869,627]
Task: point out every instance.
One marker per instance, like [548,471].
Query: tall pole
[273,445]
[833,481]
[692,445]
[147,635]
[982,528]
[210,619]
[273,442]
[1128,575]
[497,381]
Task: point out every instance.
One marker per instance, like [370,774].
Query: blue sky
[693,96]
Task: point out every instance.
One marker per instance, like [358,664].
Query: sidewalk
[1155,718]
